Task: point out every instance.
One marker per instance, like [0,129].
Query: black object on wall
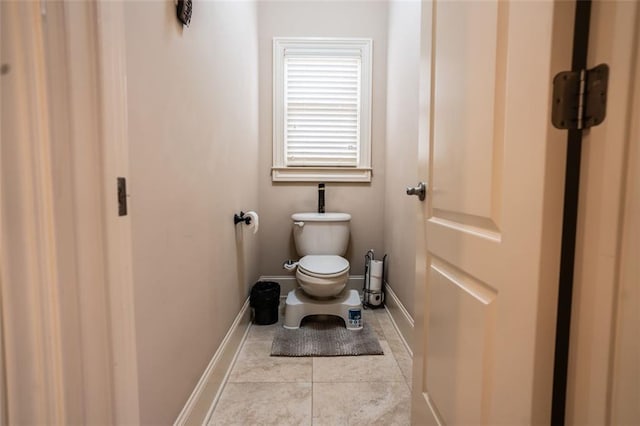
[183,8]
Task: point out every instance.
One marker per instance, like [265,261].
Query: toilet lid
[322,265]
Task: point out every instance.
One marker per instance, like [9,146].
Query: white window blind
[322,110]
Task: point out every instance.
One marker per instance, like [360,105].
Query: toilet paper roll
[375,285]
[376,268]
[254,220]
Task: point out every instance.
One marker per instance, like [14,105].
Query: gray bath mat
[325,337]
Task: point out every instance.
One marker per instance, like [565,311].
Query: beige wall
[403,62]
[192,98]
[365,202]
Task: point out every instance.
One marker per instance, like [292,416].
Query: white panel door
[485,320]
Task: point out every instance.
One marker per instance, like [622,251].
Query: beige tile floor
[359,390]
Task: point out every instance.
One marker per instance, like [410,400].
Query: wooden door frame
[4,419]
[623,375]
[600,218]
[420,403]
[66,255]
[114,147]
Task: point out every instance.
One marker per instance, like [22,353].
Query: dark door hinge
[122,196]
[580,98]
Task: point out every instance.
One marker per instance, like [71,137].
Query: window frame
[362,172]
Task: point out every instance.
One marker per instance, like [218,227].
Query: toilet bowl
[322,276]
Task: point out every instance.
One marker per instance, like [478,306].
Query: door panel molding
[470,58]
[483,292]
[472,225]
[462,327]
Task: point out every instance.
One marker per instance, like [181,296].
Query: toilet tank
[321,233]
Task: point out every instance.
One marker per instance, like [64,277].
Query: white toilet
[322,272]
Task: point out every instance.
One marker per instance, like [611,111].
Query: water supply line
[290,265]
[321,198]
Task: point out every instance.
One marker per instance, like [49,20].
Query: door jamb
[117,230]
[569,226]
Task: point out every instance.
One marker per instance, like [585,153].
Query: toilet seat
[323,266]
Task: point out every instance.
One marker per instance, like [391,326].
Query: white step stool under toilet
[347,306]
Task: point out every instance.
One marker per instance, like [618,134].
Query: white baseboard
[288,282]
[402,321]
[206,393]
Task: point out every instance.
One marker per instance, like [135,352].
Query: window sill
[320,174]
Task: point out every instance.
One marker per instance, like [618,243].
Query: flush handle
[420,190]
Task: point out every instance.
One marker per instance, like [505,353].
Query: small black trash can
[264,299]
